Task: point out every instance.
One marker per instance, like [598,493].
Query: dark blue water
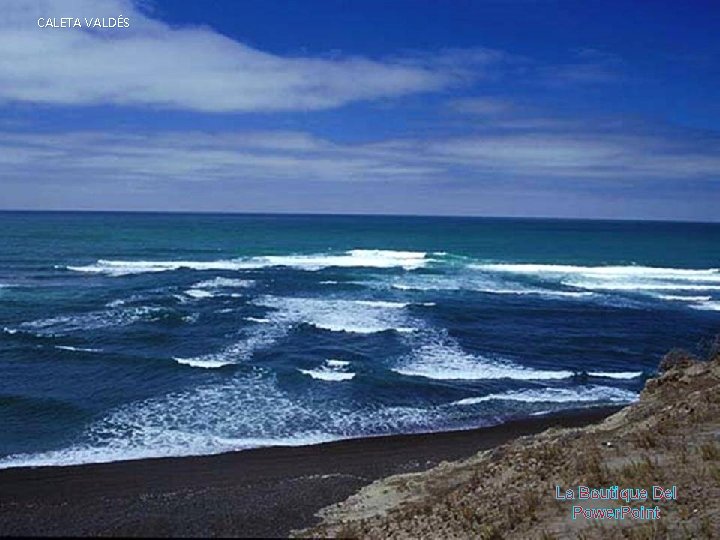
[134,335]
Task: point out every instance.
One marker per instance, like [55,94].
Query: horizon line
[353,214]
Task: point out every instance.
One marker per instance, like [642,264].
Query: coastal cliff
[669,438]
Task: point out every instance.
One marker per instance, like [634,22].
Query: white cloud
[590,66]
[582,155]
[153,64]
[572,158]
[483,106]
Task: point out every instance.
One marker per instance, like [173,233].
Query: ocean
[145,335]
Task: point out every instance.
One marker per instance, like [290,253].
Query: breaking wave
[369,258]
[339,315]
[331,371]
[443,359]
[615,278]
[616,374]
[67,324]
[599,394]
[77,349]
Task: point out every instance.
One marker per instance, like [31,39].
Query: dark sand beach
[260,492]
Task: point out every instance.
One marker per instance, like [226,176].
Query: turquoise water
[137,335]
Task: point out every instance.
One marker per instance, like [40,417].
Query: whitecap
[443,359]
[616,374]
[327,375]
[221,282]
[648,287]
[371,258]
[124,268]
[403,287]
[681,298]
[607,272]
[481,284]
[333,362]
[240,351]
[199,294]
[239,413]
[600,394]
[207,363]
[708,305]
[632,278]
[77,349]
[332,370]
[380,303]
[338,315]
[260,320]
[90,321]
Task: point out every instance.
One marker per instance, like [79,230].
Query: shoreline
[255,492]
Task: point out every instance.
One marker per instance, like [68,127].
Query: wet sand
[260,492]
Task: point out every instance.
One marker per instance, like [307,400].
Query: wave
[339,315]
[238,352]
[200,362]
[370,258]
[243,411]
[239,413]
[599,394]
[710,306]
[94,320]
[380,303]
[337,363]
[124,268]
[648,287]
[445,360]
[260,320]
[251,409]
[326,375]
[710,274]
[681,298]
[616,374]
[221,283]
[211,288]
[331,371]
[693,302]
[323,375]
[640,279]
[77,349]
[481,284]
[199,294]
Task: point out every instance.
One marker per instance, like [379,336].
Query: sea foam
[600,394]
[66,324]
[339,315]
[370,258]
[616,374]
[443,359]
[616,278]
[331,371]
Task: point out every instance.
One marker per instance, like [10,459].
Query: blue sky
[502,108]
